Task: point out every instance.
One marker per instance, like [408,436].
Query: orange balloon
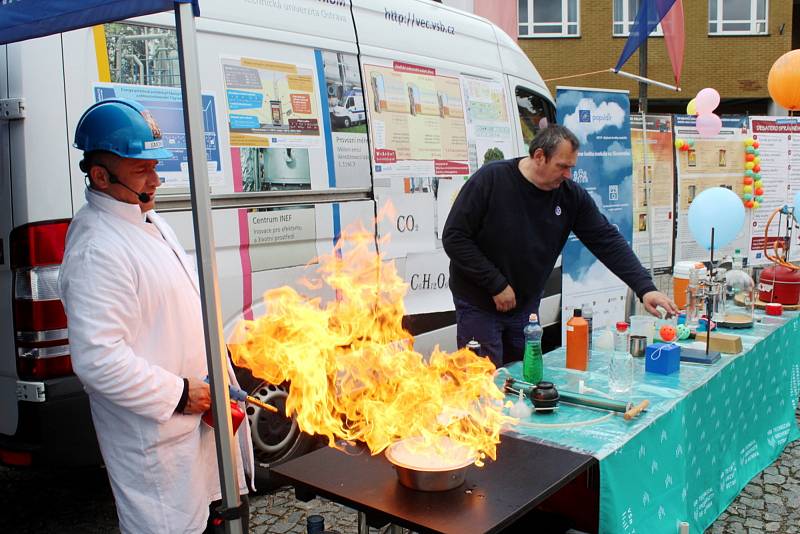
[784,80]
[749,157]
[759,191]
[748,180]
[755,144]
[757,168]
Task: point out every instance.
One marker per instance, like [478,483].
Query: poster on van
[271,103]
[416,120]
[281,237]
[716,161]
[346,143]
[165,104]
[488,124]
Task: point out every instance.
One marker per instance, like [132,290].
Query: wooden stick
[636,410]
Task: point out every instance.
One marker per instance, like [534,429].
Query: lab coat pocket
[177,428]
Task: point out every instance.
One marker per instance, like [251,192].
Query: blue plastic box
[662,358]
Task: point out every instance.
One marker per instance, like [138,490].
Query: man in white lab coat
[136,332]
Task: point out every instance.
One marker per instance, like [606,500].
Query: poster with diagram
[488,124]
[416,120]
[716,161]
[274,124]
[653,190]
[165,105]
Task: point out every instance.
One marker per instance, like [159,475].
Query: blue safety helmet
[123,127]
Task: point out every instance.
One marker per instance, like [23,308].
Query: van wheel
[276,438]
[346,122]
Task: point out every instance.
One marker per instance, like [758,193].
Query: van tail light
[40,323]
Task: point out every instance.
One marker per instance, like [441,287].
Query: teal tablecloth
[709,429]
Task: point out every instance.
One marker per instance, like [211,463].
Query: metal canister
[474,346]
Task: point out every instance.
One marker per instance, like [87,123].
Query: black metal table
[492,497]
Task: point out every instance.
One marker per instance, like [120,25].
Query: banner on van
[601,121]
[417,120]
[165,104]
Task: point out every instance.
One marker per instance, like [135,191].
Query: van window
[535,112]
[142,54]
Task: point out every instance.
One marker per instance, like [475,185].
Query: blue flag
[647,18]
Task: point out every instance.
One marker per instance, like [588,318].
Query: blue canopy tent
[28,19]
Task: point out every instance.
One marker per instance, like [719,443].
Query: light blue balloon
[717,208]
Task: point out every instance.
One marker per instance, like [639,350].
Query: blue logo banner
[601,121]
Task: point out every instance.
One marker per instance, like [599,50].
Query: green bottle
[532,363]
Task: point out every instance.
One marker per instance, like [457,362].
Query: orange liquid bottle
[577,342]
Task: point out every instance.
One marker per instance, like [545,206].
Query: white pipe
[645,80]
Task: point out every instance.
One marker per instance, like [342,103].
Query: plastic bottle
[588,315]
[621,338]
[577,342]
[620,367]
[532,364]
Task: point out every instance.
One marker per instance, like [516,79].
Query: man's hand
[652,299]
[505,300]
[199,397]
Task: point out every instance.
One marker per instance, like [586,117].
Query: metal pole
[643,74]
[648,194]
[206,260]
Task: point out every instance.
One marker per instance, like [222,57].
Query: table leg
[363,527]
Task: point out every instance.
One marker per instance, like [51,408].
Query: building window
[625,15]
[548,18]
[737,17]
[535,113]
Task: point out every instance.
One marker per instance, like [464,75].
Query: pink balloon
[706,100]
[708,124]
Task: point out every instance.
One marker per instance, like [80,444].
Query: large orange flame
[354,374]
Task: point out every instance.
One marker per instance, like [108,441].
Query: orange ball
[784,80]
[748,204]
[748,180]
[757,169]
[755,144]
[749,157]
[667,333]
[759,191]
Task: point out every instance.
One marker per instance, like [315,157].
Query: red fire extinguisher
[237,416]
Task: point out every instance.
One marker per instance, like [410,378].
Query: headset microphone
[143,197]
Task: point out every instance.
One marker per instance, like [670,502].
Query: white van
[284,180]
[350,109]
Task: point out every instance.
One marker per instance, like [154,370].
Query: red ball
[757,169]
[748,203]
[759,191]
[667,333]
[755,144]
[749,157]
[748,180]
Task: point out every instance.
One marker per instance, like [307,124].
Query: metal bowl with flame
[430,467]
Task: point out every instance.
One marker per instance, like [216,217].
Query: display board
[601,121]
[716,161]
[779,149]
[653,190]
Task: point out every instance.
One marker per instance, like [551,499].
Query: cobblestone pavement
[81,503]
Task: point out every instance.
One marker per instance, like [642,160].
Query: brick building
[730,45]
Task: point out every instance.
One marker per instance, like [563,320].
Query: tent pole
[216,354]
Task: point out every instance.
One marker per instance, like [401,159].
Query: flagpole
[643,74]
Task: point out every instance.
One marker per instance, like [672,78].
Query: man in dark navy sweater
[505,232]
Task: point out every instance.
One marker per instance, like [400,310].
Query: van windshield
[535,112]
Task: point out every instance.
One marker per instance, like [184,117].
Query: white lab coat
[135,329]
